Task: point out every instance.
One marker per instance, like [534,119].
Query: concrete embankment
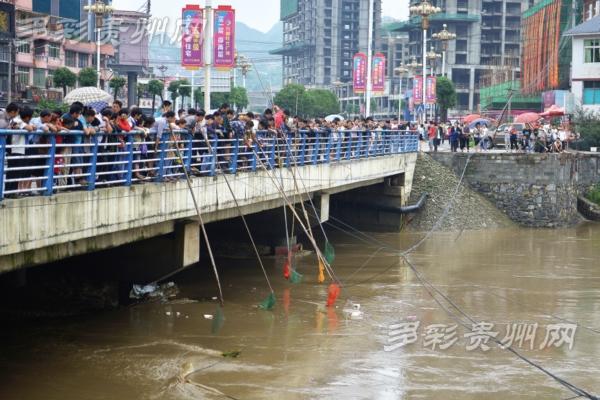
[468,209]
[534,190]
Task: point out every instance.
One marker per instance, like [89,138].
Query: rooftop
[591,26]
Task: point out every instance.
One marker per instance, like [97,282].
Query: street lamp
[424,9]
[401,70]
[433,57]
[444,36]
[337,85]
[100,9]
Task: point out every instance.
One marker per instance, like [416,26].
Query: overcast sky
[258,14]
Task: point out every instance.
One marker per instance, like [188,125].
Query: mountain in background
[253,44]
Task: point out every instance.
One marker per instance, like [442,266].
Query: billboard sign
[224,38]
[191,37]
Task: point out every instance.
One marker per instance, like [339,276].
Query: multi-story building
[488,36]
[7,34]
[320,37]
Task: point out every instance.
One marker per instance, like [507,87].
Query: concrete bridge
[43,229]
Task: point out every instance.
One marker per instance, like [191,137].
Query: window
[39,77]
[54,51]
[83,60]
[591,92]
[591,48]
[23,75]
[23,47]
[50,79]
[70,58]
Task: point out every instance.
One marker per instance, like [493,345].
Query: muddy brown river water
[540,283]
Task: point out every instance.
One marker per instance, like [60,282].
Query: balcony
[24,59]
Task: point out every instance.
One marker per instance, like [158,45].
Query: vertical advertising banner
[191,37]
[378,77]
[431,93]
[418,89]
[359,72]
[224,38]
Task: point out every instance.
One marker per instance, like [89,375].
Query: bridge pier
[187,243]
[376,207]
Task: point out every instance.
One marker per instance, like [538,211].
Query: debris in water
[208,316]
[232,354]
[353,311]
[168,313]
[154,291]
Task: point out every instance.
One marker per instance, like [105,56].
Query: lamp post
[432,57]
[413,66]
[100,10]
[245,67]
[337,85]
[424,9]
[401,70]
[444,36]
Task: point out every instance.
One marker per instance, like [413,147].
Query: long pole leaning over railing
[200,220]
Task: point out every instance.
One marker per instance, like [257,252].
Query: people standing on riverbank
[455,134]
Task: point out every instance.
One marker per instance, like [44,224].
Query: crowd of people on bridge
[520,138]
[110,127]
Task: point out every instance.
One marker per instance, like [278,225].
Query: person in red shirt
[432,136]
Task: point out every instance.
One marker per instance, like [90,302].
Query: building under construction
[488,34]
[320,37]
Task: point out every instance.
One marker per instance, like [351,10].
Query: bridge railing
[45,163]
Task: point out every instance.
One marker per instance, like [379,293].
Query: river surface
[301,350]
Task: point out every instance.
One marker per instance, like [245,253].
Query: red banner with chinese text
[359,72]
[191,37]
[224,38]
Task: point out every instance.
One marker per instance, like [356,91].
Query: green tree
[322,102]
[173,89]
[88,77]
[217,99]
[64,77]
[587,123]
[239,97]
[45,104]
[117,83]
[446,96]
[293,98]
[155,88]
[185,90]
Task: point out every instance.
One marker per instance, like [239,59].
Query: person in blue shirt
[455,134]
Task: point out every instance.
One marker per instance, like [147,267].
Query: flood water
[302,351]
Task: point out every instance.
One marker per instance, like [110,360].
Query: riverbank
[468,210]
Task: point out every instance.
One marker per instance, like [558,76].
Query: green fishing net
[329,253]
[268,303]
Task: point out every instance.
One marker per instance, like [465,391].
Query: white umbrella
[88,95]
[330,118]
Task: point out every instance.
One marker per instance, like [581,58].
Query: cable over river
[535,290]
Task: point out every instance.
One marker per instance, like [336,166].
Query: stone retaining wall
[537,190]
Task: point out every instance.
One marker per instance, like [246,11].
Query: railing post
[349,147]
[338,145]
[361,145]
[272,152]
[2,157]
[317,149]
[93,162]
[234,158]
[328,147]
[129,174]
[189,151]
[302,147]
[253,160]
[51,162]
[288,150]
[161,161]
[214,151]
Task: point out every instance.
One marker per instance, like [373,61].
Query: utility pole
[163,68]
[11,57]
[208,55]
[369,59]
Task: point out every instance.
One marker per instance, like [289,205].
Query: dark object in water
[232,354]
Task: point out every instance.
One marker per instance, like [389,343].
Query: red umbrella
[528,118]
[554,111]
[470,118]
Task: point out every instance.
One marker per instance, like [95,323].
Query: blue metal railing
[45,163]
